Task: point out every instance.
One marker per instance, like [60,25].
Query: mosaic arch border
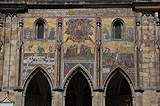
[33,73]
[72,72]
[124,73]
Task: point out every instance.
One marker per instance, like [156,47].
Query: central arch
[78,90]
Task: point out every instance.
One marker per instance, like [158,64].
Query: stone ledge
[98,89]
[13,8]
[139,89]
[18,89]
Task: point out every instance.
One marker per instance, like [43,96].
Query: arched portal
[118,92]
[38,91]
[78,91]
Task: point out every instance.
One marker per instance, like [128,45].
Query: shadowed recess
[78,91]
[38,91]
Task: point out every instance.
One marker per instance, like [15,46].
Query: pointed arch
[33,73]
[73,71]
[118,88]
[124,73]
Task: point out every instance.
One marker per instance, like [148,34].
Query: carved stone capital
[20,23]
[138,23]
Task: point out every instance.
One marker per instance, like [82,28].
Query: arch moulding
[73,71]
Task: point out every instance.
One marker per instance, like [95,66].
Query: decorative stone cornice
[13,8]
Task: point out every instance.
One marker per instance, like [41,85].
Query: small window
[118,29]
[40,29]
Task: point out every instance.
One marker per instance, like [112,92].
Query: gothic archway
[78,91]
[118,91]
[38,91]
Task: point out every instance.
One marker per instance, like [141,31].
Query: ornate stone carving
[148,14]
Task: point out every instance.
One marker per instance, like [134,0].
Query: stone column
[158,55]
[59,53]
[58,97]
[7,49]
[138,97]
[98,53]
[98,97]
[1,51]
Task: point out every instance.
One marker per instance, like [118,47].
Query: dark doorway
[78,91]
[38,92]
[118,91]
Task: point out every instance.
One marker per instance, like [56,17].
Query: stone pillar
[98,53]
[58,97]
[138,97]
[150,98]
[59,53]
[137,50]
[7,49]
[158,55]
[1,51]
[98,99]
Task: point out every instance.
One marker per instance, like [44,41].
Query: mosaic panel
[79,38]
[118,52]
[39,52]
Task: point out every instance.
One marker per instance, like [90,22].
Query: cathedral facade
[79,53]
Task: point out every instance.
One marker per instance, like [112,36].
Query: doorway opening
[78,91]
[118,92]
[38,92]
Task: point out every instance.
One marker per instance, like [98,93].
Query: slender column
[59,52]
[137,48]
[1,51]
[158,54]
[98,91]
[58,91]
[98,52]
[7,49]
